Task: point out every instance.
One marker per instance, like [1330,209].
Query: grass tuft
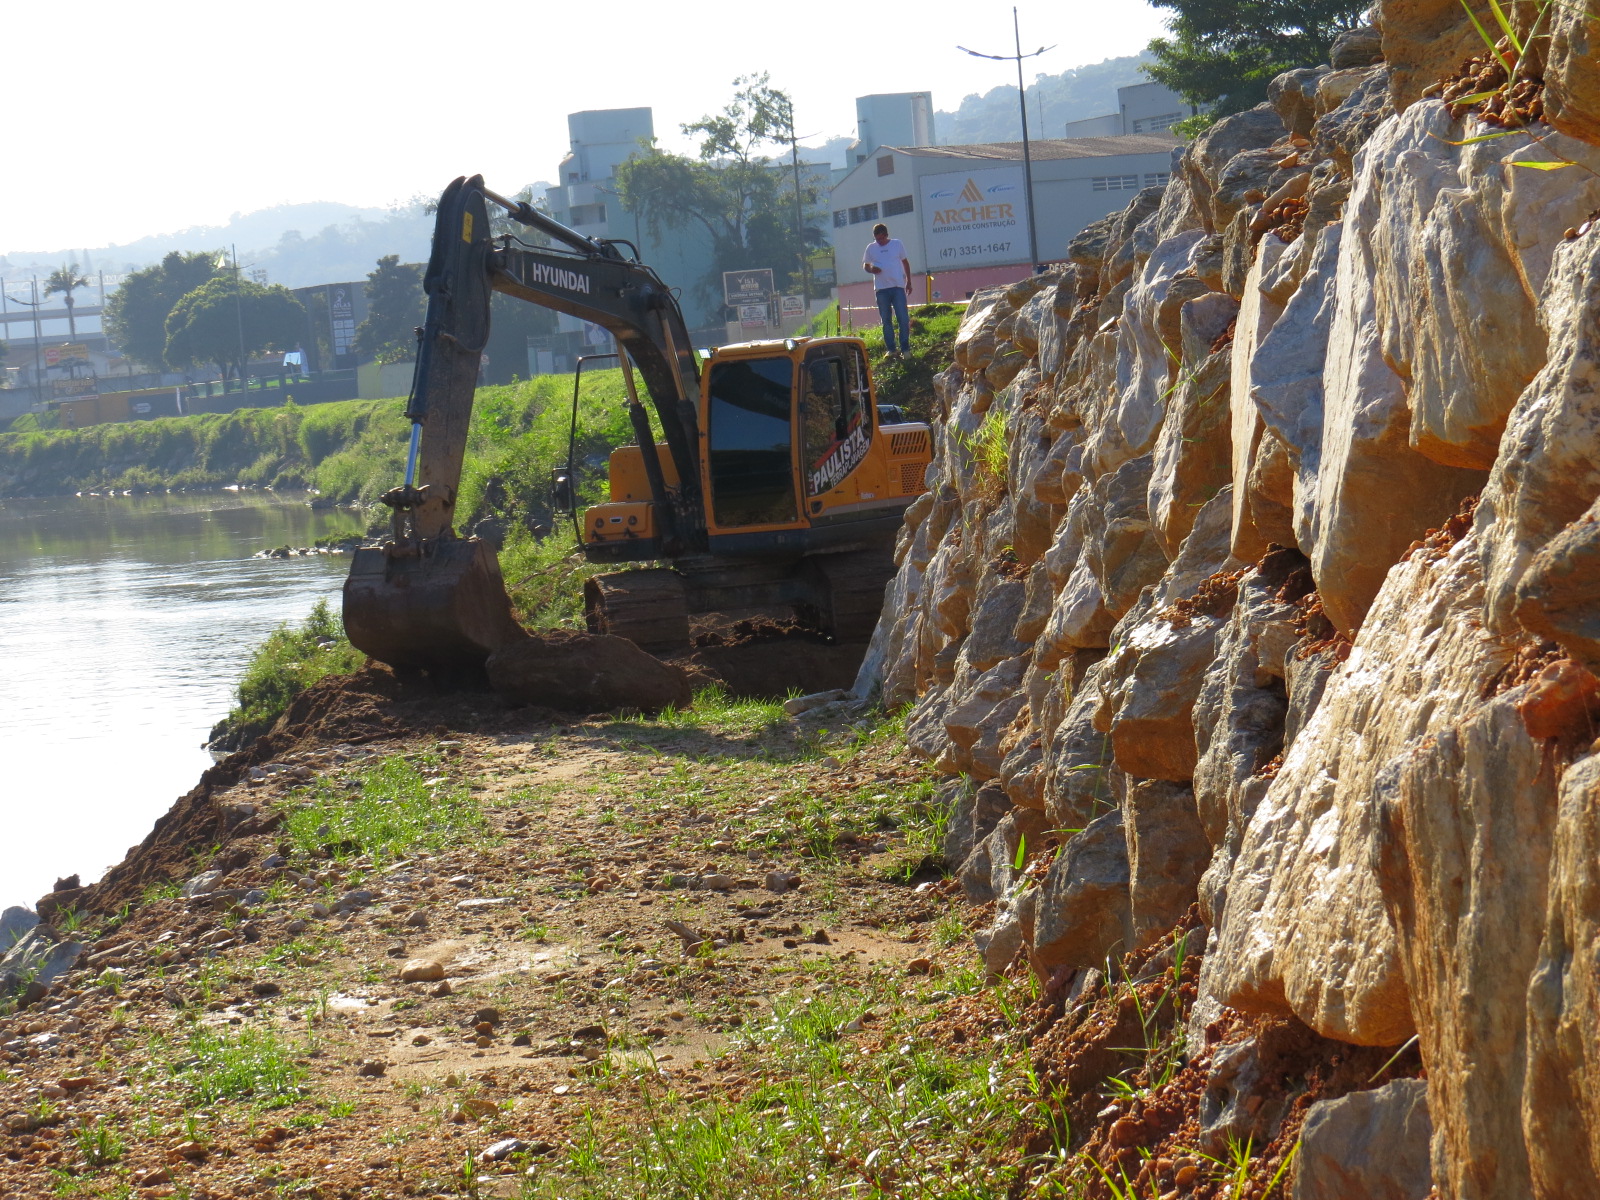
[390,810]
[216,1065]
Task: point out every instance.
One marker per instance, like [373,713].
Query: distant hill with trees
[297,245]
[1053,100]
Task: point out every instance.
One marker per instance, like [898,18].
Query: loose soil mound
[586,673]
[768,659]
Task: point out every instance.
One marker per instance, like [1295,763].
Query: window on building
[897,206]
[588,214]
[841,218]
[1156,179]
[863,212]
[1156,124]
[886,165]
[1115,183]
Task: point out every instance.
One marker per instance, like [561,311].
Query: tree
[136,313]
[395,304]
[64,280]
[214,321]
[741,198]
[1223,53]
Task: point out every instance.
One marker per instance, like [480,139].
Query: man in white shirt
[885,260]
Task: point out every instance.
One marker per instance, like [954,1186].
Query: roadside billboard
[746,287]
[974,218]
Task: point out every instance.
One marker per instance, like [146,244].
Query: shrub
[289,661]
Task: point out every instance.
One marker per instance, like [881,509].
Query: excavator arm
[582,277]
[425,597]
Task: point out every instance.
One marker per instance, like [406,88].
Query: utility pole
[238,308]
[238,313]
[38,370]
[1022,100]
[799,232]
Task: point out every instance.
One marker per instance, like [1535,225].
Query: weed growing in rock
[989,449]
[391,809]
[99,1144]
[1501,89]
[216,1065]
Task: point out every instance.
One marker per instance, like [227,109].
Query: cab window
[750,435]
[838,423]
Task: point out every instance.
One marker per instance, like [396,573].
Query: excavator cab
[795,456]
[804,489]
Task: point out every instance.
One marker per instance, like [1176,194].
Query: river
[125,622]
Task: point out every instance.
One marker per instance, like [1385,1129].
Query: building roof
[1042,149]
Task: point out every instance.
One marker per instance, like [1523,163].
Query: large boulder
[1082,914]
[1572,71]
[586,672]
[1370,1145]
[1561,1092]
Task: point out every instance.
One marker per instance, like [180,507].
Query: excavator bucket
[426,598]
[443,609]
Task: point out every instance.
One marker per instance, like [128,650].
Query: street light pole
[38,370]
[238,309]
[1022,100]
[799,233]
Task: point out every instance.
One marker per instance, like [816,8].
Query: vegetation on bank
[290,660]
[909,381]
[349,450]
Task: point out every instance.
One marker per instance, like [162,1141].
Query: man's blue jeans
[893,299]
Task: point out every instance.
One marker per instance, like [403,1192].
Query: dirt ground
[552,926]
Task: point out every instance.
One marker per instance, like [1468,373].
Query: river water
[125,623]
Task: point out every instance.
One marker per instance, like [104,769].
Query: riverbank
[346,452]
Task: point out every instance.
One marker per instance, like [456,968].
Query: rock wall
[1260,571]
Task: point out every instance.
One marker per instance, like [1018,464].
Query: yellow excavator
[768,479]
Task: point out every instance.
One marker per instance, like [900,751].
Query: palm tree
[65,279]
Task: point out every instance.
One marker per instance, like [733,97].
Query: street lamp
[38,371]
[1022,100]
[238,312]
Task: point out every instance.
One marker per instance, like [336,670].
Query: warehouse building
[962,211]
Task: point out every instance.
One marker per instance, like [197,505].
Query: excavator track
[650,607]
[837,594]
[849,591]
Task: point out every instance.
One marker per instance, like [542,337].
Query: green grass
[99,1144]
[290,660]
[387,811]
[831,1111]
[227,1064]
[908,383]
[544,578]
[773,806]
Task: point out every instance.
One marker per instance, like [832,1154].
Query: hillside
[1053,100]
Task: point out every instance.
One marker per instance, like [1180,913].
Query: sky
[154,118]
